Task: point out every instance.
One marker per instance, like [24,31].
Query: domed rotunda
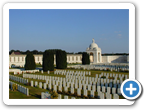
[95,53]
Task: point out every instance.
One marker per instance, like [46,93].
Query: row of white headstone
[48,72]
[64,72]
[20,88]
[85,88]
[48,96]
[88,67]
[25,71]
[87,81]
[102,95]
[70,82]
[65,97]
[112,75]
[86,84]
[37,84]
[30,71]
[94,88]
[45,95]
[92,79]
[39,77]
[72,78]
[18,79]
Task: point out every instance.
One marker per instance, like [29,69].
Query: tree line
[40,52]
[48,60]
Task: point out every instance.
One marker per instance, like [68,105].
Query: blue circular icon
[130,89]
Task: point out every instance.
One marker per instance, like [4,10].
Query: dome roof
[93,45]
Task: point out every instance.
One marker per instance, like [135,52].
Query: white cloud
[119,34]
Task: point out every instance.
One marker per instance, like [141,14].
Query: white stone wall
[105,59]
[38,58]
[19,60]
[115,59]
[74,58]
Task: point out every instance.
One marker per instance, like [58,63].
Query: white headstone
[27,92]
[45,86]
[102,95]
[92,93]
[60,88]
[65,89]
[73,98]
[108,90]
[32,83]
[55,88]
[108,96]
[40,84]
[113,90]
[85,93]
[79,92]
[59,96]
[76,85]
[98,88]
[103,88]
[89,87]
[116,96]
[72,90]
[49,86]
[36,83]
[65,97]
[118,91]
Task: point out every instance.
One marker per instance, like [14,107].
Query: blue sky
[69,30]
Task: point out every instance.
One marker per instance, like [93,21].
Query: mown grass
[19,95]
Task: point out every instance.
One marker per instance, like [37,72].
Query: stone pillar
[95,57]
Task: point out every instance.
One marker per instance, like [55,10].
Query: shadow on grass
[36,95]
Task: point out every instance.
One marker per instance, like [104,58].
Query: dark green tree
[11,51]
[85,58]
[48,60]
[35,52]
[61,59]
[27,52]
[30,62]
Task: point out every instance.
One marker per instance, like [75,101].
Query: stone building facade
[93,50]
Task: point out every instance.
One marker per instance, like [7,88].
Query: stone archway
[91,57]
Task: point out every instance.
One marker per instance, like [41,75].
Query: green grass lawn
[38,65]
[19,95]
[70,64]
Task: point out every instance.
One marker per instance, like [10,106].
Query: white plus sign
[131,89]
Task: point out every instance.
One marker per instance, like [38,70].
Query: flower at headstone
[54,95]
[14,87]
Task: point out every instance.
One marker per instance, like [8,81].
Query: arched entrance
[91,58]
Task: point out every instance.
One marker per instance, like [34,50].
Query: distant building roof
[15,53]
